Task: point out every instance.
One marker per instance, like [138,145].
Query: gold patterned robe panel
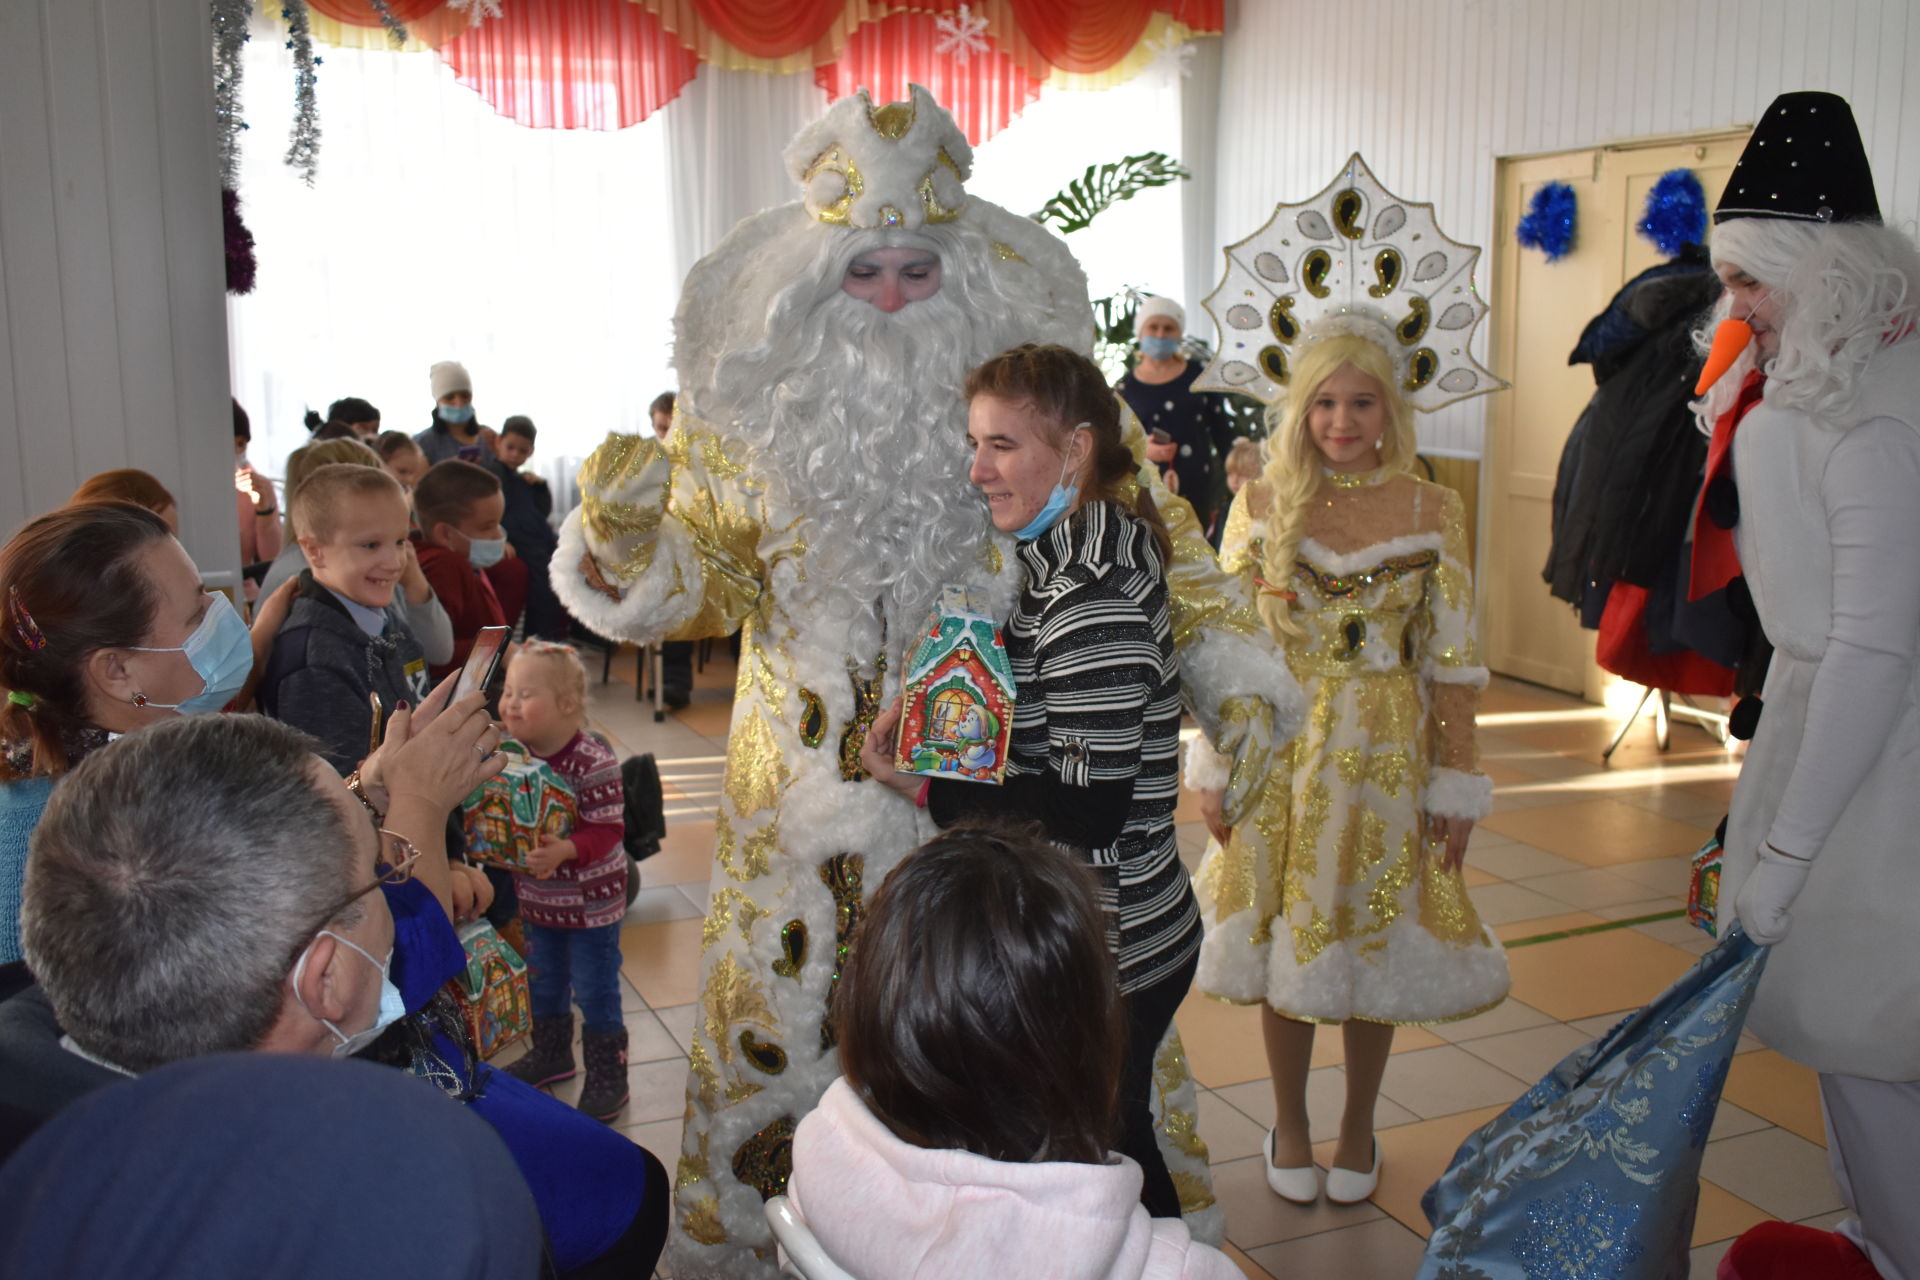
[708,498]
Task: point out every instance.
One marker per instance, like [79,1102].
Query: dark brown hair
[662,403]
[520,425]
[124,485]
[448,491]
[1068,390]
[978,1010]
[71,584]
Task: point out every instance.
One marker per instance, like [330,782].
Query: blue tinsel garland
[1676,212]
[1549,221]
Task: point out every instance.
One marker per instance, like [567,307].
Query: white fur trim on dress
[1327,560]
[1207,769]
[1414,978]
[1215,666]
[1435,674]
[646,611]
[1453,794]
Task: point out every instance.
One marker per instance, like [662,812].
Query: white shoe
[1302,1186]
[1344,1186]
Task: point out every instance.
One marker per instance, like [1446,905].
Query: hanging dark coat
[1631,468]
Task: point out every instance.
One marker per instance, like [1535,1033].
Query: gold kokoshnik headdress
[1354,259]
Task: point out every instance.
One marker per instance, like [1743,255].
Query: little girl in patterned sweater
[574,893]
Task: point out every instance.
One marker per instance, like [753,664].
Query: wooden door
[1540,308]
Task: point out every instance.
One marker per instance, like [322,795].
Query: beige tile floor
[1571,843]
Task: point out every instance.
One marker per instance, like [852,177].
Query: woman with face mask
[106,629]
[455,432]
[1185,428]
[1096,724]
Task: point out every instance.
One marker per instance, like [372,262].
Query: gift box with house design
[958,714]
[511,812]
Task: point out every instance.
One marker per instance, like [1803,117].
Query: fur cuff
[646,609]
[1207,769]
[1453,794]
[1435,674]
[1219,665]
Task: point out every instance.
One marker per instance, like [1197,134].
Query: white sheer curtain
[542,259]
[549,261]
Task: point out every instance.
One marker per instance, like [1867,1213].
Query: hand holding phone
[481,660]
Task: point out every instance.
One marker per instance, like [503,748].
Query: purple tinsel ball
[1549,221]
[1676,213]
[240,261]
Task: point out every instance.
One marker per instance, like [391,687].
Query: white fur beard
[864,437]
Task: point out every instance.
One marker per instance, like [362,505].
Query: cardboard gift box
[492,993]
[958,714]
[511,812]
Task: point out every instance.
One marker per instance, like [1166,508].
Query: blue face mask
[484,553]
[1160,348]
[455,413]
[393,1006]
[221,651]
[1059,501]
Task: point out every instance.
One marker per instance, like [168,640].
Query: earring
[139,699]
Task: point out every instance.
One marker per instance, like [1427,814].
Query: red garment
[464,593]
[1715,560]
[1788,1251]
[591,890]
[509,580]
[1622,649]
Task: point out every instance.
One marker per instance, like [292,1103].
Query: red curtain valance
[572,64]
[607,64]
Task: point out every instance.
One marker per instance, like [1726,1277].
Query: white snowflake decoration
[961,34]
[1180,52]
[476,9]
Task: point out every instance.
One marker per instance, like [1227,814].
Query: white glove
[1768,893]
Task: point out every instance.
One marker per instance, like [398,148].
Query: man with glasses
[213,886]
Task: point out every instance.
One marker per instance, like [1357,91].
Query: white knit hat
[1154,305]
[448,377]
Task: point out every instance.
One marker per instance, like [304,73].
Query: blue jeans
[567,965]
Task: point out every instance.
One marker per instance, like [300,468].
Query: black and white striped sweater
[1094,755]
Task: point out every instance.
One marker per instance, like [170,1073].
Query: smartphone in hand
[481,660]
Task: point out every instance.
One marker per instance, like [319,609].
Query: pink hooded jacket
[883,1209]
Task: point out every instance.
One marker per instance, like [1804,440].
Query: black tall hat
[1805,161]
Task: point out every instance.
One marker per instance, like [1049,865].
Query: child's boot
[606,1089]
[551,1057]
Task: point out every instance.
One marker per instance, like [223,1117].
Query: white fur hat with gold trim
[898,165]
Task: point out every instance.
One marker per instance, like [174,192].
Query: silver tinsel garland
[229,38]
[396,29]
[303,154]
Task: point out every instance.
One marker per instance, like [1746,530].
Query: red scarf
[1715,561]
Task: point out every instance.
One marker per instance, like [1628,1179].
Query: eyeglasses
[394,864]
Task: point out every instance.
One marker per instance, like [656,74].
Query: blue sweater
[21,804]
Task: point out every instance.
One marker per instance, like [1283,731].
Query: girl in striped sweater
[1095,744]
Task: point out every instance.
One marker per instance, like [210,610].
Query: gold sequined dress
[1330,903]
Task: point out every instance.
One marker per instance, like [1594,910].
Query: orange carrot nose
[1729,340]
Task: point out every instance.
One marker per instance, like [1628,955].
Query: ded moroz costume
[814,493]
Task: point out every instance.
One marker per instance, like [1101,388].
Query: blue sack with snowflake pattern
[1595,1171]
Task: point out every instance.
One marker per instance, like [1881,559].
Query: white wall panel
[1433,91]
[111,262]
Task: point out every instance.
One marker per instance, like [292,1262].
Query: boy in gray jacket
[345,637]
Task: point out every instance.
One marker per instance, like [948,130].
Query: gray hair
[172,881]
